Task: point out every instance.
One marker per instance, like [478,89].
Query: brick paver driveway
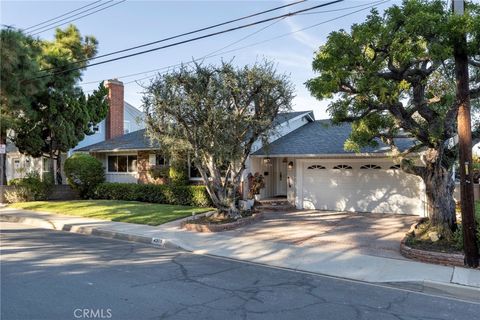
[366,233]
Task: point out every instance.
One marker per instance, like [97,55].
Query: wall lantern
[267,160]
[290,165]
[284,160]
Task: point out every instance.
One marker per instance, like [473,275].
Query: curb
[47,224]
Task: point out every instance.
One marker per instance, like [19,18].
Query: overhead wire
[192,39]
[211,55]
[184,34]
[62,15]
[78,18]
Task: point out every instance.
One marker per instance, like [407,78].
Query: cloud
[303,37]
[288,59]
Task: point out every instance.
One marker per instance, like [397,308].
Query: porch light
[284,160]
[267,160]
[290,165]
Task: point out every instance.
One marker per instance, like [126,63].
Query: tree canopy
[57,115]
[393,75]
[215,114]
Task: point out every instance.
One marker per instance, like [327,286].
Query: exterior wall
[281,130]
[146,159]
[134,118]
[97,137]
[19,165]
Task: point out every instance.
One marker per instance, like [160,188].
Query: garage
[360,186]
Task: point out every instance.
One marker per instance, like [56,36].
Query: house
[304,162]
[307,164]
[121,119]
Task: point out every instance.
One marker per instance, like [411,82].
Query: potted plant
[257,183]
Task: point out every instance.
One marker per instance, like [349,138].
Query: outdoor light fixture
[267,160]
[284,160]
[290,165]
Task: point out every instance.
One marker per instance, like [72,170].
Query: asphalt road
[57,275]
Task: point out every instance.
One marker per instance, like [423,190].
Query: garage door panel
[362,190]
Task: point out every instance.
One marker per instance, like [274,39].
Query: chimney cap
[113,81]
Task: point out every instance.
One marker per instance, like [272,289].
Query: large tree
[215,114]
[394,74]
[19,60]
[60,113]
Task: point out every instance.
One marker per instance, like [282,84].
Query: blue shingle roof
[321,137]
[136,140]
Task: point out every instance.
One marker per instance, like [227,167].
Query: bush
[167,194]
[84,173]
[458,235]
[30,188]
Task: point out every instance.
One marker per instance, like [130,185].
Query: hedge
[167,194]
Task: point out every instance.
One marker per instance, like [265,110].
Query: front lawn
[122,211]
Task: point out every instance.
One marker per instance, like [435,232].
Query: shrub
[168,194]
[30,188]
[84,173]
[178,173]
[458,235]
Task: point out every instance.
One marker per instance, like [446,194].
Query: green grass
[122,211]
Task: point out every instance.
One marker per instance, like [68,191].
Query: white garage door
[364,187]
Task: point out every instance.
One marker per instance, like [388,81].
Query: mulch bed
[439,252]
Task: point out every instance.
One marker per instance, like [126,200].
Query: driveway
[365,233]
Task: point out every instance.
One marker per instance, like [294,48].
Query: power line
[212,54]
[183,34]
[194,39]
[85,15]
[62,15]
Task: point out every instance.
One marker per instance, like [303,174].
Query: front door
[281,178]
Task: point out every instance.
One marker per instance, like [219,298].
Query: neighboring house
[122,118]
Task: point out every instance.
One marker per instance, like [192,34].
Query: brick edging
[443,258]
[207,227]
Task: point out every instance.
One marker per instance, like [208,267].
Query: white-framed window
[343,166]
[316,167]
[122,163]
[193,172]
[46,164]
[126,126]
[370,166]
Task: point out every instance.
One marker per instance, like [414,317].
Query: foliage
[84,173]
[215,114]
[392,76]
[159,171]
[177,173]
[167,194]
[123,211]
[256,183]
[30,188]
[458,235]
[60,115]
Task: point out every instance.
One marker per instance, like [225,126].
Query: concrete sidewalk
[315,259]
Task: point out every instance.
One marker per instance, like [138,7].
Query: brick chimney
[114,121]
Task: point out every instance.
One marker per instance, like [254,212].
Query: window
[160,160]
[193,171]
[343,166]
[46,164]
[370,166]
[316,166]
[126,127]
[122,163]
[395,167]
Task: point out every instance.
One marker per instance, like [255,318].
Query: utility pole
[465,145]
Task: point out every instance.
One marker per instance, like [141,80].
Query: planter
[208,227]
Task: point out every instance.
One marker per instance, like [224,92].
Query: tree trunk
[3,162]
[58,171]
[439,187]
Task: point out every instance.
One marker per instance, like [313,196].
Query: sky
[133,22]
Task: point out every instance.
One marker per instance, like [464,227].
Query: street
[49,274]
